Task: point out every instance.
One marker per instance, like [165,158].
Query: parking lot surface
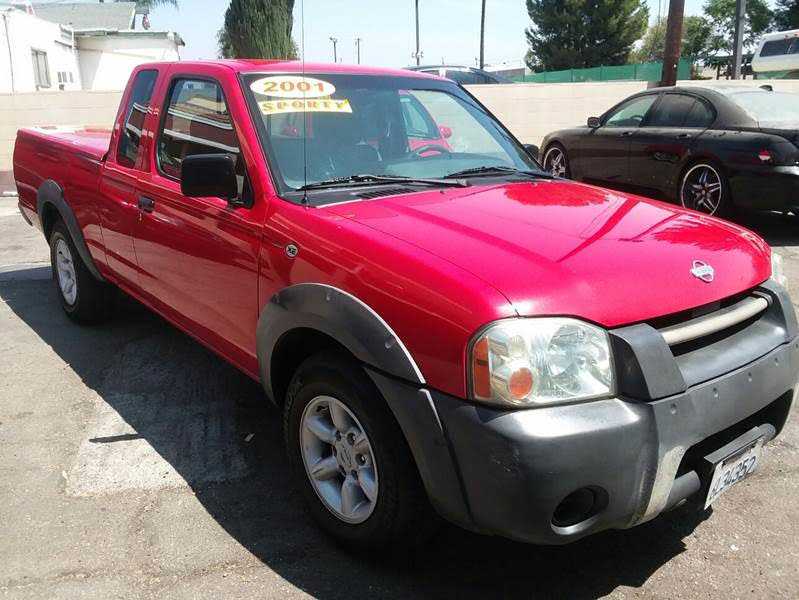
[136,464]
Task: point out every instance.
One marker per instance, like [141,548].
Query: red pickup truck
[447,328]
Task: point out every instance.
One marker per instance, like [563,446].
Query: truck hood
[563,248]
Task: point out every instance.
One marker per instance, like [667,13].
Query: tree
[787,15]
[721,14]
[568,34]
[152,3]
[695,40]
[257,29]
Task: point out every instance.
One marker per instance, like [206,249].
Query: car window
[701,115]
[417,122]
[671,111]
[631,113]
[780,47]
[135,112]
[464,77]
[196,121]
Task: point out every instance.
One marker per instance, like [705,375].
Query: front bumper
[507,472]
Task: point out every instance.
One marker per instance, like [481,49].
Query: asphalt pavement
[136,464]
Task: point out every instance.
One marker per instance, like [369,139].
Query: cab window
[135,113]
[196,121]
[632,113]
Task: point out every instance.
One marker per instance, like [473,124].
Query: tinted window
[631,113]
[465,77]
[777,47]
[769,109]
[701,115]
[135,112]
[196,121]
[671,111]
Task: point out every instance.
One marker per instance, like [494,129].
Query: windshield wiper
[368,179]
[500,170]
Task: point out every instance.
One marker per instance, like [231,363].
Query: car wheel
[704,188]
[350,459]
[83,298]
[556,161]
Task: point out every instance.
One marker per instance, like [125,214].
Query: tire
[83,298]
[556,161]
[399,515]
[713,197]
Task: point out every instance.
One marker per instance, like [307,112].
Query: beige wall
[60,108]
[532,110]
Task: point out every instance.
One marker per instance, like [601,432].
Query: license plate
[734,469]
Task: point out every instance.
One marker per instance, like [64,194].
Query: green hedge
[640,72]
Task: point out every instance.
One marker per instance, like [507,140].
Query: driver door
[605,151]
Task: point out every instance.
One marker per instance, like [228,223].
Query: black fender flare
[50,193]
[340,315]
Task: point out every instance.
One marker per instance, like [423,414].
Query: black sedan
[711,150]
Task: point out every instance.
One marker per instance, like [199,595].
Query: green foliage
[696,33]
[721,13]
[257,29]
[787,15]
[583,33]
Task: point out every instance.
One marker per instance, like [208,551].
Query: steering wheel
[431,148]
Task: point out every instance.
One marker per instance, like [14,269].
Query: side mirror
[446,132]
[204,175]
[594,122]
[532,150]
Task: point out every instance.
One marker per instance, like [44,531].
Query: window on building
[136,111]
[41,70]
[197,121]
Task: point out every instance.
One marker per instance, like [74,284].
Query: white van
[777,55]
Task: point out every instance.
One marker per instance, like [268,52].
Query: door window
[196,121]
[701,115]
[135,112]
[671,111]
[631,113]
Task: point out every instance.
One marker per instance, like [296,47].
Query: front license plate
[734,469]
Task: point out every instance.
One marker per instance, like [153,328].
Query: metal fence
[650,71]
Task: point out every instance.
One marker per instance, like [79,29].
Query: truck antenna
[304,99]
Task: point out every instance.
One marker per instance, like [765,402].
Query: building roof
[86,15]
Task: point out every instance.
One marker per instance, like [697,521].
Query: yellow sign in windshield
[274,107]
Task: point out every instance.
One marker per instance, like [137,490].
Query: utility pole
[417,54]
[738,47]
[358,49]
[482,34]
[335,55]
[671,53]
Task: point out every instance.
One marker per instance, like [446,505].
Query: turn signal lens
[481,374]
[520,383]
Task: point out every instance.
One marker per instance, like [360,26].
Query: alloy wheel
[65,272]
[555,162]
[338,459]
[702,189]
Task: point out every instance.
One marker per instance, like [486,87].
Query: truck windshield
[319,128]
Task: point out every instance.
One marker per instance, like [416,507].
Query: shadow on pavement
[196,412]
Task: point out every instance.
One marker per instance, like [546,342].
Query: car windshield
[319,128]
[770,109]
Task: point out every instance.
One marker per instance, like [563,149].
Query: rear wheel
[83,298]
[556,161]
[704,188]
[350,459]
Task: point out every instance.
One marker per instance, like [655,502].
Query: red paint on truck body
[436,265]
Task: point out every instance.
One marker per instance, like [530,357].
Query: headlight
[540,361]
[777,270]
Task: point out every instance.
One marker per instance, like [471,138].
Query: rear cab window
[135,114]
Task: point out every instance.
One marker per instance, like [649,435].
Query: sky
[449,29]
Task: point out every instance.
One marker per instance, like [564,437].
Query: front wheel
[350,459]
[556,161]
[704,188]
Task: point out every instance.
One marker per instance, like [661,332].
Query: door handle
[684,136]
[146,204]
[627,134]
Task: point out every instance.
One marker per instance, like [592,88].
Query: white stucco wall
[19,34]
[106,61]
